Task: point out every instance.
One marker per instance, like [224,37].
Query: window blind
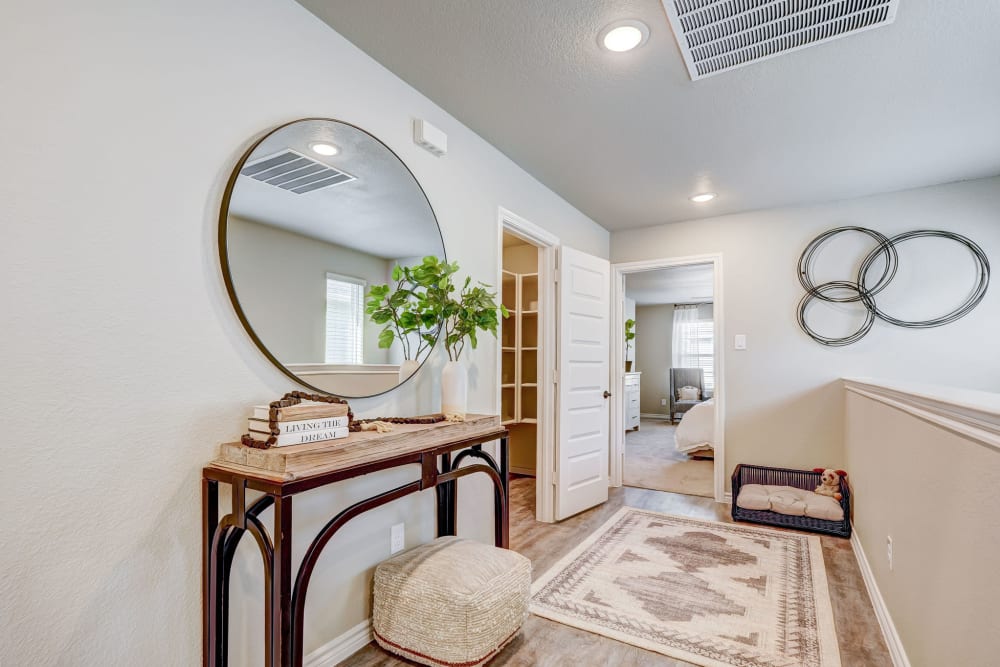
[694,344]
[345,308]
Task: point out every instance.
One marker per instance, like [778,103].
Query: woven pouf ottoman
[450,602]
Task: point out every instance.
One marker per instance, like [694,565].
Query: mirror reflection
[321,213]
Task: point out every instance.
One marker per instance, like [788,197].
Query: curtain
[694,343]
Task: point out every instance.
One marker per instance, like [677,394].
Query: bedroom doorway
[667,427]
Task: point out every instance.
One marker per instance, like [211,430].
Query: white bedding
[697,428]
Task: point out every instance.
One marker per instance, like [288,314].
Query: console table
[280,473]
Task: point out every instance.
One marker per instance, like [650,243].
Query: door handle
[607,394]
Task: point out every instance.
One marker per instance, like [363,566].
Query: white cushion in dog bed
[789,500]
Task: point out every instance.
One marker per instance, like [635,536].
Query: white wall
[783,404]
[124,364]
[655,325]
[285,300]
[935,493]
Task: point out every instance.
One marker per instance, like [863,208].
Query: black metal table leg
[281,584]
[446,501]
[502,513]
[210,585]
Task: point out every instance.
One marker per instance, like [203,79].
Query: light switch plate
[740,342]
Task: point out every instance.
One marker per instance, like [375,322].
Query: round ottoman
[452,602]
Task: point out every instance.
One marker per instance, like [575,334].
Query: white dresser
[632,401]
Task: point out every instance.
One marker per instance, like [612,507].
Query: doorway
[667,426]
[526,366]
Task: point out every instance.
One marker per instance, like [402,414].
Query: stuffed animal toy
[830,483]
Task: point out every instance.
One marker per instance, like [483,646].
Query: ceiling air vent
[295,172]
[720,35]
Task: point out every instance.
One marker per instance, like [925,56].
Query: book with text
[303,411]
[300,426]
[287,439]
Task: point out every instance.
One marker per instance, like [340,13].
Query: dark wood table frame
[285,597]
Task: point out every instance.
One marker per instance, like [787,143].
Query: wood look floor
[546,643]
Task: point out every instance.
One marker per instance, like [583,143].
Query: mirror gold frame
[224,250]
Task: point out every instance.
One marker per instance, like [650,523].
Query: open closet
[520,342]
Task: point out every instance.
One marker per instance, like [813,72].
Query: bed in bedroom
[695,433]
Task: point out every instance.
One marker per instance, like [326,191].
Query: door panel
[584,351]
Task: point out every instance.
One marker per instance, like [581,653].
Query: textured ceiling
[627,138]
[382,213]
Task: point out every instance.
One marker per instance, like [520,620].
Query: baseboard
[530,472]
[727,497]
[654,415]
[892,640]
[341,648]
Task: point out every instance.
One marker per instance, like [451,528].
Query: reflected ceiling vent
[720,35]
[295,172]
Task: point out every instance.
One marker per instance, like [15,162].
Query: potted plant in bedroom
[403,311]
[462,314]
[629,337]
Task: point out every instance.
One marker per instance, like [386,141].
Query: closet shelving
[519,349]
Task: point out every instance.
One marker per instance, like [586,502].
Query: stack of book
[302,423]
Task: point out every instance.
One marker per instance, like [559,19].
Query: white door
[584,349]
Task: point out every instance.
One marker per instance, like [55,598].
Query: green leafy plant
[402,308]
[462,313]
[629,334]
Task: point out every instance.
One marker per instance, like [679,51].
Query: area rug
[653,462]
[709,593]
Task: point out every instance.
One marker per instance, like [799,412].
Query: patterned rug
[710,593]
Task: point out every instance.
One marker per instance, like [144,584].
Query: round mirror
[316,218]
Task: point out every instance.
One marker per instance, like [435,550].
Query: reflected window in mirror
[304,237]
[345,319]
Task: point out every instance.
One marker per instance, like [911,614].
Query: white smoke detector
[429,137]
[719,35]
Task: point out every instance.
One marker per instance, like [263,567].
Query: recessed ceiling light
[623,36]
[703,197]
[322,148]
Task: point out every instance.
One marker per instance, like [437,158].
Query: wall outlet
[888,550]
[397,538]
[663,402]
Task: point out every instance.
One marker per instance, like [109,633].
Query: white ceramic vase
[454,388]
[407,368]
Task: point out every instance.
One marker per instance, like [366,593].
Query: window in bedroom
[345,309]
[694,343]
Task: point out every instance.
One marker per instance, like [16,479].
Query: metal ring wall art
[870,281]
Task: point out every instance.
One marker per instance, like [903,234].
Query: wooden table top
[296,462]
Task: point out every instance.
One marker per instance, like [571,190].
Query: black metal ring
[818,292]
[884,247]
[859,291]
[973,300]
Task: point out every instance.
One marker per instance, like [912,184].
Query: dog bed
[802,480]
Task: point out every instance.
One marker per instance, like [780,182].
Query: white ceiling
[383,213]
[628,137]
[680,284]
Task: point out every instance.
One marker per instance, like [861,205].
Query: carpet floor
[653,462]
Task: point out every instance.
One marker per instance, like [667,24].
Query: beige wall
[115,306]
[934,492]
[655,326]
[280,279]
[783,402]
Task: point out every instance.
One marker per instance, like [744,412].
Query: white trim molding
[618,273]
[341,648]
[971,414]
[654,416]
[892,639]
[545,456]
